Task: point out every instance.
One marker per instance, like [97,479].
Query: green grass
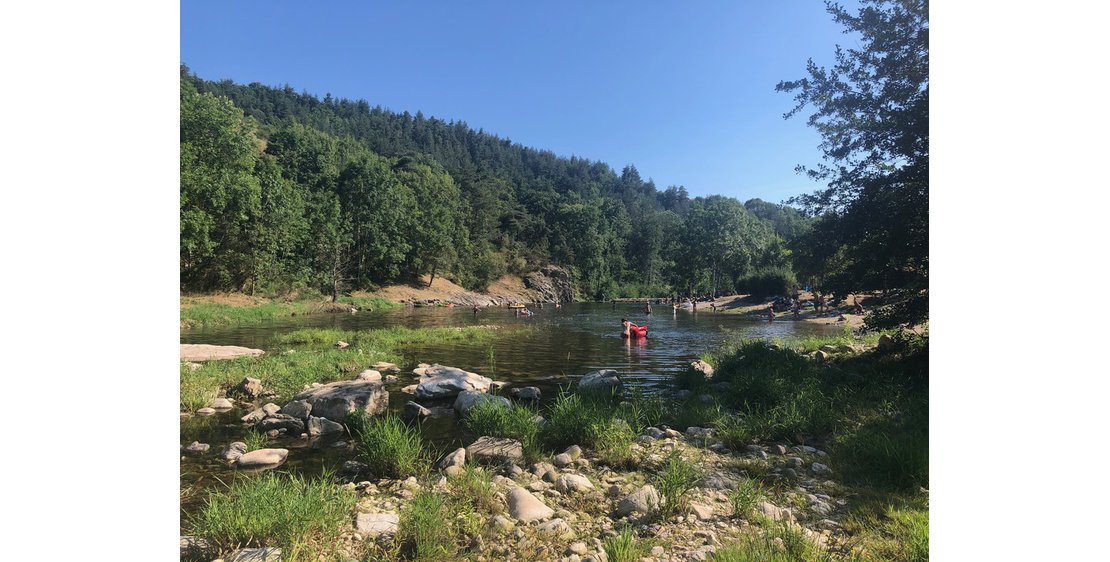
[516,422]
[642,411]
[692,412]
[314,359]
[390,448]
[474,486]
[625,547]
[674,479]
[254,440]
[303,517]
[885,528]
[575,420]
[763,548]
[426,528]
[204,311]
[745,497]
[613,444]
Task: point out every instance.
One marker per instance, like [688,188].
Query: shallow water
[564,344]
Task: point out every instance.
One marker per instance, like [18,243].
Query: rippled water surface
[563,344]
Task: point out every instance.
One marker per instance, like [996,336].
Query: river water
[563,344]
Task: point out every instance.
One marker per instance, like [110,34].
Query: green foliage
[763,548]
[872,112]
[390,448]
[613,442]
[625,547]
[202,311]
[515,422]
[426,527]
[674,479]
[886,453]
[575,420]
[768,282]
[254,439]
[473,485]
[745,497]
[303,517]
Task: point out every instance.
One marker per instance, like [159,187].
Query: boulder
[281,421]
[372,525]
[369,375]
[467,399]
[233,450]
[254,416]
[438,381]
[414,411]
[644,500]
[255,555]
[335,400]
[562,459]
[262,458]
[221,404]
[493,449]
[556,527]
[525,507]
[456,458]
[526,393]
[827,348]
[775,512]
[196,448]
[270,408]
[699,432]
[570,483]
[820,469]
[204,352]
[574,452]
[605,381]
[821,355]
[323,426]
[298,409]
[885,341]
[654,433]
[701,511]
[387,367]
[702,367]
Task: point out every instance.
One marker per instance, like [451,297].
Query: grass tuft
[745,497]
[390,448]
[516,422]
[674,479]
[625,547]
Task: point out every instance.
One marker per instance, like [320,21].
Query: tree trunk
[433,277]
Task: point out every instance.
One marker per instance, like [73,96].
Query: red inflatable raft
[636,332]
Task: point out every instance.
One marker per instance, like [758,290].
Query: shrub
[272,509]
[388,446]
[674,480]
[574,419]
[613,443]
[768,282]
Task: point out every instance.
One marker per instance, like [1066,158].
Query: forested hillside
[282,190]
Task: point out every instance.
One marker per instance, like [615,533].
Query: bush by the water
[515,422]
[299,515]
[390,448]
[674,479]
[768,283]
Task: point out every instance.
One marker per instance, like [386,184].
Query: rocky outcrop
[206,352]
[438,381]
[551,284]
[335,400]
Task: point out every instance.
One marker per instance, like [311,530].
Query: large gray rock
[281,421]
[456,458]
[254,416]
[644,500]
[525,507]
[605,381]
[497,450]
[298,409]
[221,404]
[233,450]
[206,352]
[775,512]
[323,426]
[369,375]
[371,525]
[529,393]
[438,381]
[414,411]
[571,483]
[467,399]
[262,458]
[335,400]
[387,367]
[255,555]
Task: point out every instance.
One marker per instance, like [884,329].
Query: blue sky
[682,90]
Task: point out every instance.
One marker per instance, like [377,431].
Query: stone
[605,381]
[537,486]
[556,527]
[335,400]
[562,459]
[414,411]
[372,525]
[270,408]
[282,421]
[369,375]
[196,448]
[795,462]
[789,473]
[574,451]
[467,399]
[254,416]
[885,341]
[255,555]
[614,490]
[821,355]
[527,393]
[221,404]
[391,378]
[578,548]
[829,348]
[354,467]
[233,450]
[298,409]
[384,366]
[438,381]
[777,449]
[570,483]
[323,426]
[456,458]
[191,545]
[206,411]
[502,523]
[249,387]
[709,536]
[654,433]
[454,471]
[820,469]
[644,500]
[193,352]
[495,449]
[699,432]
[702,511]
[775,512]
[672,433]
[540,468]
[550,476]
[755,450]
[342,344]
[525,507]
[702,367]
[657,551]
[718,482]
[262,458]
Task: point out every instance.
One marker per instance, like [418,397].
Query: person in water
[647,308]
[628,326]
[771,313]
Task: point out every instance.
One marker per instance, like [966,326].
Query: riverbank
[748,305]
[221,309]
[763,452]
